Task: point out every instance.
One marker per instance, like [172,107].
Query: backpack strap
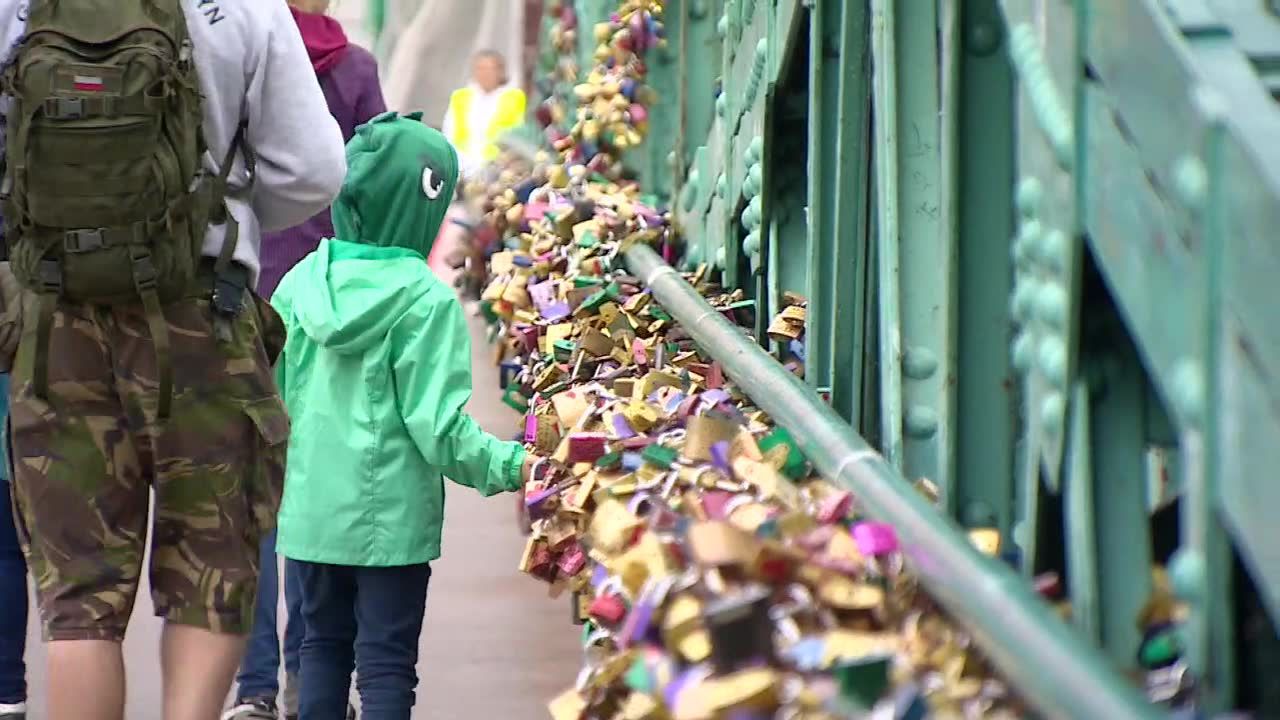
[50,290]
[222,213]
[144,279]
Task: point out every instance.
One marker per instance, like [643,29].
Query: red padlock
[608,609]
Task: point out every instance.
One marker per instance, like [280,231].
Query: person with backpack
[376,373]
[146,148]
[348,77]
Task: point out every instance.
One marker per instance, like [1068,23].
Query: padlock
[609,609]
[612,526]
[875,539]
[717,543]
[739,629]
[703,431]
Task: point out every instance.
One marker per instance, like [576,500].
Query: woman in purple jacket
[348,75]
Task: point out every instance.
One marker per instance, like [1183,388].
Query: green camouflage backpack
[104,197]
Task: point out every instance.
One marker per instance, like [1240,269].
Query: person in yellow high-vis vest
[480,112]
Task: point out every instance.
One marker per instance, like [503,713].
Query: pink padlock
[639,114]
[875,538]
[835,507]
[531,428]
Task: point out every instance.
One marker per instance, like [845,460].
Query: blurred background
[424,46]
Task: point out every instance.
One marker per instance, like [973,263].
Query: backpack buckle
[84,240]
[50,277]
[144,270]
[64,108]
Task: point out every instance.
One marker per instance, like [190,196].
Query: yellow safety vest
[509,114]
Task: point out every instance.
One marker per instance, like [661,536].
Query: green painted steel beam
[927,251]
[839,154]
[1120,531]
[1047,662]
[885,102]
[1160,110]
[979,101]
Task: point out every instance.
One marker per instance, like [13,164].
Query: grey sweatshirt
[253,66]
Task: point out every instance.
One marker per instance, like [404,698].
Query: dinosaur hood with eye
[400,181]
[351,292]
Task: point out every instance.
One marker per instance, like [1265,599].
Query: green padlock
[794,466]
[863,682]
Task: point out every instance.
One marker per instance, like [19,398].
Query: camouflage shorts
[85,463]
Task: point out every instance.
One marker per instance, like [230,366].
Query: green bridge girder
[1038,243]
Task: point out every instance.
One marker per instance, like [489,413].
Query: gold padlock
[704,431]
[612,526]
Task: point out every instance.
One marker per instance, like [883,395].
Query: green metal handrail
[1046,661]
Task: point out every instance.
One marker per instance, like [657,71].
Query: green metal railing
[1046,661]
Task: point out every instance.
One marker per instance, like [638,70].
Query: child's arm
[432,369]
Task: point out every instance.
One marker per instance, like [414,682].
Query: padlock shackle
[1047,662]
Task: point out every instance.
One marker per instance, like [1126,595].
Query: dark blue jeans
[364,619]
[260,670]
[13,606]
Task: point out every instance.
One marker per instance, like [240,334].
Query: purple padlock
[557,312]
[543,294]
[720,456]
[531,428]
[621,427]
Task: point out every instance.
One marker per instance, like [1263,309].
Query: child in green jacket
[376,374]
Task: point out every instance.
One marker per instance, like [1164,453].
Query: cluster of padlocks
[716,574]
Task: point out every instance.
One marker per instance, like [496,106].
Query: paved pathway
[494,646]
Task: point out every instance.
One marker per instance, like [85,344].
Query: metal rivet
[755,150]
[1192,181]
[983,38]
[1052,360]
[1051,409]
[751,244]
[694,256]
[1188,390]
[1020,534]
[755,179]
[1024,298]
[720,258]
[921,421]
[919,363]
[1051,305]
[722,187]
[722,106]
[1024,245]
[1054,248]
[691,190]
[1023,347]
[1187,574]
[1029,195]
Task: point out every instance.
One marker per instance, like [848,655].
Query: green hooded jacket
[376,371]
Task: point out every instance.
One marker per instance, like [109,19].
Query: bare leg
[198,669]
[86,680]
